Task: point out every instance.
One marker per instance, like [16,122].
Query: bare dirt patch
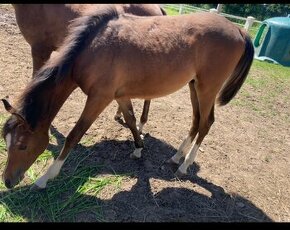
[242,175]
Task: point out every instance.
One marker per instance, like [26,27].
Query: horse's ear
[8,107]
[14,112]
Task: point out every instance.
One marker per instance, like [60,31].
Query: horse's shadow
[145,201]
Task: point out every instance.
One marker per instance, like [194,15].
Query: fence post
[219,8]
[180,8]
[213,10]
[249,23]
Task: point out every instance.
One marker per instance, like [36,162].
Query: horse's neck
[57,98]
[49,102]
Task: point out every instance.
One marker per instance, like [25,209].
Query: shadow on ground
[138,204]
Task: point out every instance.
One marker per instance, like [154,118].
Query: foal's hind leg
[118,114]
[206,109]
[94,106]
[144,116]
[194,127]
[127,110]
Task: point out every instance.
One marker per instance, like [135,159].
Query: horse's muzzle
[10,183]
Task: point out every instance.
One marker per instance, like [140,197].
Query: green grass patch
[171,11]
[70,197]
[67,198]
[266,90]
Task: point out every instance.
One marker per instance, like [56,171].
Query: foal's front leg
[94,106]
[127,110]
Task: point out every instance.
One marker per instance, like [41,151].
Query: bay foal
[111,56]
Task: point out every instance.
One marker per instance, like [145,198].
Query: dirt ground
[241,173]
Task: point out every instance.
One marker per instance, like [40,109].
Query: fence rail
[249,23]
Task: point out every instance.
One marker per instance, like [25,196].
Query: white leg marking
[8,140]
[189,159]
[183,146]
[140,127]
[136,153]
[176,158]
[52,172]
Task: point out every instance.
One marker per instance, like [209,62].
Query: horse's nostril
[8,183]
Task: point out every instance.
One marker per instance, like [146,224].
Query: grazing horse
[44,27]
[120,57]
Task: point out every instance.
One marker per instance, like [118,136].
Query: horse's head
[23,144]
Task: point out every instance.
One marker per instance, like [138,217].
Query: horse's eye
[22,147]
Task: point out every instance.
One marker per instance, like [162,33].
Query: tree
[258,11]
[277,10]
[205,6]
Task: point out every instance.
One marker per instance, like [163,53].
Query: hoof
[35,188]
[173,166]
[136,154]
[132,156]
[171,162]
[179,174]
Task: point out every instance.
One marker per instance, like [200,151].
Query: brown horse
[111,56]
[44,27]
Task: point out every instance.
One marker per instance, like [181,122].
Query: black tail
[163,11]
[239,75]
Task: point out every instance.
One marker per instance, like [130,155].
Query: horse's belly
[153,88]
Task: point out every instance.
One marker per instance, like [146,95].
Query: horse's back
[171,35]
[45,23]
[149,51]
[201,24]
[140,9]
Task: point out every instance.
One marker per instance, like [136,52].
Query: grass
[266,90]
[69,197]
[171,11]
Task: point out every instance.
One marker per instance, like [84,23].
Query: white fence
[248,22]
